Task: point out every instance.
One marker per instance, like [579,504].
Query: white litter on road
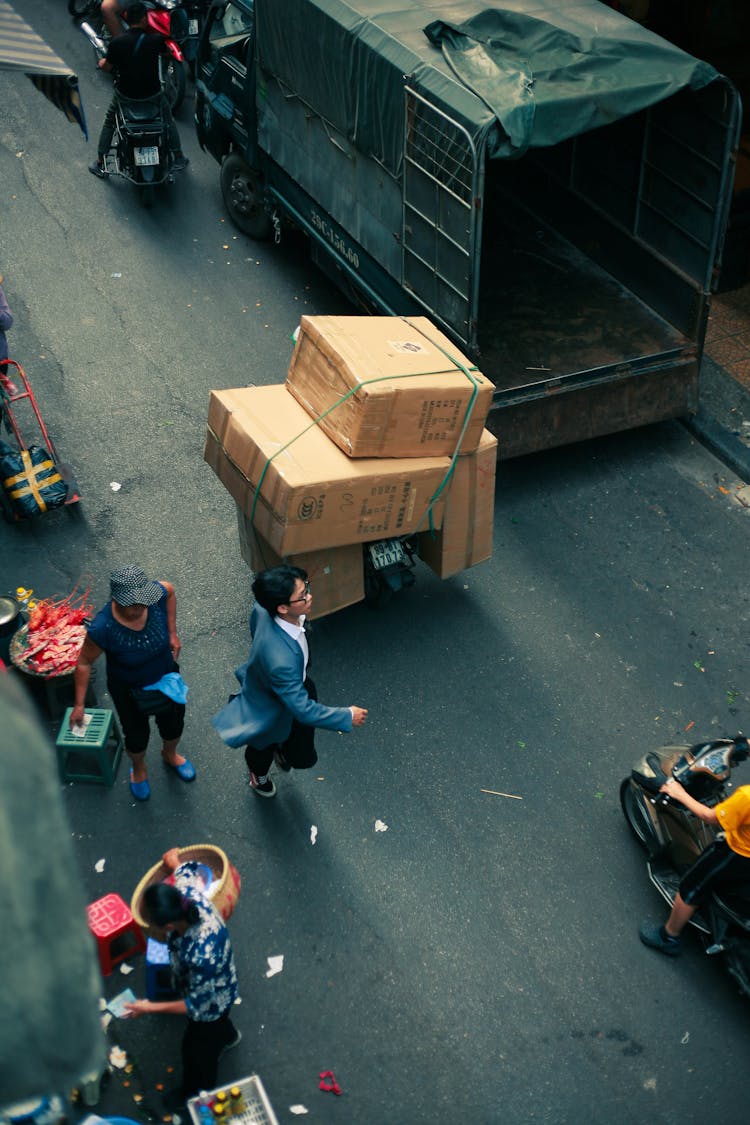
[115,486]
[298,1109]
[125,969]
[118,1057]
[313,833]
[275,965]
[99,865]
[380,826]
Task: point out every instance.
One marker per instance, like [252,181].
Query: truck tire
[244,202]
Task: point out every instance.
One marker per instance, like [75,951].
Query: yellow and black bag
[30,480]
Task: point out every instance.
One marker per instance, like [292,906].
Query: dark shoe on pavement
[281,761]
[180,162]
[656,937]
[267,789]
[99,170]
[234,1043]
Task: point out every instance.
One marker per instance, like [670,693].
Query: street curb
[727,447]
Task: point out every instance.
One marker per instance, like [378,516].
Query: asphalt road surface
[478,961]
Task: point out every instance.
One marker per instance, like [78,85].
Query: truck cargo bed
[546,310]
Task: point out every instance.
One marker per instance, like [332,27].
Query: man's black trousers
[298,749]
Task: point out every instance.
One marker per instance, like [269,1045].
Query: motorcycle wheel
[635,813]
[82,9]
[239,187]
[175,83]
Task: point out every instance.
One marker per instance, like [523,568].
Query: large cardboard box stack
[465,537]
[387,386]
[310,495]
[335,573]
[315,477]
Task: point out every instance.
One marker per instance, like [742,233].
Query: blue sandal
[141,790]
[185,771]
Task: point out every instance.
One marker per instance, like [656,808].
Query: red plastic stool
[111,923]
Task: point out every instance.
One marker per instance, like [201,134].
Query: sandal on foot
[141,790]
[186,769]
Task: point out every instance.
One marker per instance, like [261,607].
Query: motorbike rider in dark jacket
[725,863]
[134,57]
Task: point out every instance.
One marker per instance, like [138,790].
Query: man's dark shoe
[656,937]
[281,761]
[267,789]
[99,170]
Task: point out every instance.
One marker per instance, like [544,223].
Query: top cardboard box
[387,386]
[311,495]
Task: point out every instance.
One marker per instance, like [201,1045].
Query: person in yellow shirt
[724,863]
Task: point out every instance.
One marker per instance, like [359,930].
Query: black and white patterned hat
[129,586]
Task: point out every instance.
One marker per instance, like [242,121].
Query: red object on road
[328,1082]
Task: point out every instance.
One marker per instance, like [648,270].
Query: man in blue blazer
[276,709]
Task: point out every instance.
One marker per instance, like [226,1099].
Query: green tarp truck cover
[528,74]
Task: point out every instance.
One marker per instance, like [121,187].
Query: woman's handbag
[151,702]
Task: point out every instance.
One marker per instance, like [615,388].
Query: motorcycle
[674,838]
[388,568]
[140,145]
[186,26]
[160,16]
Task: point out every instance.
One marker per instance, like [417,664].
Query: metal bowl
[18,645]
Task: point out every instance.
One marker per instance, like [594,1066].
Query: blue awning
[23,50]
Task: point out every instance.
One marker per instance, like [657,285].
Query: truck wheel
[239,187]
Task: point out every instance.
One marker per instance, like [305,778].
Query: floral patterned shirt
[203,969]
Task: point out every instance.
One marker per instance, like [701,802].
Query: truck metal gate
[442,187]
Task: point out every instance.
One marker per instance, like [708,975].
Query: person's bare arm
[89,654]
[674,789]
[149,1007]
[174,640]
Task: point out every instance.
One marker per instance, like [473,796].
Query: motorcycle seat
[142,110]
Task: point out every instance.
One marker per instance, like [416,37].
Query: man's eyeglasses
[303,597]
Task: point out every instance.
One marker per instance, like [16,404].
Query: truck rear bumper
[572,413]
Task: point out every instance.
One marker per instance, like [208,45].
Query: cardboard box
[311,494]
[394,386]
[465,538]
[336,573]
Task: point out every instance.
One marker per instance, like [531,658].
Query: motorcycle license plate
[386,552]
[145,156]
[192,27]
